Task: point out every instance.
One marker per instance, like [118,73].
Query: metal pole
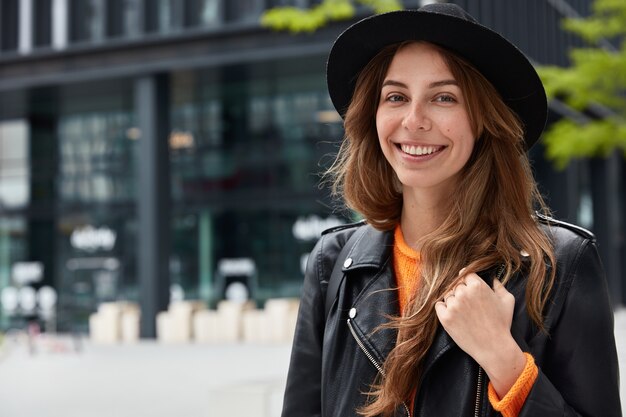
[153,198]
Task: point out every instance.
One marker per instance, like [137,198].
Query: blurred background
[159,171]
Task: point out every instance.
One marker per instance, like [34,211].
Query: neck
[422,213]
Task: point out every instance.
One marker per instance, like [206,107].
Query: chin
[428,183]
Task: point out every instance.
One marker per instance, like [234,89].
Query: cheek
[468,146]
[379,124]
[463,133]
[381,130]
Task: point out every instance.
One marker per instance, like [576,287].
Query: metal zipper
[479,391]
[500,272]
[479,384]
[372,360]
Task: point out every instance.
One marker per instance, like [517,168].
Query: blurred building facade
[169,148]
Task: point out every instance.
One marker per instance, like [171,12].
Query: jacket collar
[371,250]
[371,257]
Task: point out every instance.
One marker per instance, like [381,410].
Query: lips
[420,150]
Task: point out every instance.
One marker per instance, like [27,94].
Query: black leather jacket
[334,360]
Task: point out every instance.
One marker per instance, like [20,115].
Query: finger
[474,279]
[440,308]
[501,292]
[447,296]
[498,287]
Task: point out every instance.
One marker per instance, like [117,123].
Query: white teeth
[418,150]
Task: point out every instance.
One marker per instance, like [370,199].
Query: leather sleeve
[579,375]
[303,391]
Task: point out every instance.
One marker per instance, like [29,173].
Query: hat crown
[449,9]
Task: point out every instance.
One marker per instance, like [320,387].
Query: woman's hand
[479,318]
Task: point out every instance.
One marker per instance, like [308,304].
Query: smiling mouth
[420,150]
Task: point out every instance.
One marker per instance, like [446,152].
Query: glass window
[96,228]
[244,10]
[42,23]
[96,154]
[166,16]
[250,129]
[247,145]
[9,18]
[150,16]
[203,13]
[14,164]
[123,18]
[170,15]
[87,20]
[97,262]
[13,249]
[264,248]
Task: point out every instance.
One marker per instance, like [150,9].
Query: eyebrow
[434,84]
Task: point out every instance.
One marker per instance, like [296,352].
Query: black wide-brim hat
[447,25]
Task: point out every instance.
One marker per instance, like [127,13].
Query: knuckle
[473,280]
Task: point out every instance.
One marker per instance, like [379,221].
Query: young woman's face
[423,127]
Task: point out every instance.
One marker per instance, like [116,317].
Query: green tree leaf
[298,20]
[596,77]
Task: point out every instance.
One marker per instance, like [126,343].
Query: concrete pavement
[150,379]
[146,379]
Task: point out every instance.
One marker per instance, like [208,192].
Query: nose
[416,119]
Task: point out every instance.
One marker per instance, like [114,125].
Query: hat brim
[505,66]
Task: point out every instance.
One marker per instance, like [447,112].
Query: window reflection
[9,18]
[13,248]
[270,239]
[42,23]
[249,175]
[87,20]
[96,229]
[14,164]
[170,15]
[123,17]
[96,155]
[97,262]
[250,132]
[204,13]
[244,10]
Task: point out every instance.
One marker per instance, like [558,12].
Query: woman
[454,297]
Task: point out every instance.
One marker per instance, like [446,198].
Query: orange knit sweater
[406,262]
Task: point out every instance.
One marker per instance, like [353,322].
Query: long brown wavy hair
[489,221]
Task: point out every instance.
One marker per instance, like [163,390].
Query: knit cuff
[513,401]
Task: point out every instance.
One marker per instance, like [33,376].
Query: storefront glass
[247,146]
[14,164]
[14,198]
[96,225]
[13,250]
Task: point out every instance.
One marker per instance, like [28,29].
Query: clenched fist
[478,318]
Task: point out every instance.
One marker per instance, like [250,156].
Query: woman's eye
[395,98]
[444,98]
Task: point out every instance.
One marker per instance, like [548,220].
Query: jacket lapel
[441,344]
[371,255]
[378,300]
